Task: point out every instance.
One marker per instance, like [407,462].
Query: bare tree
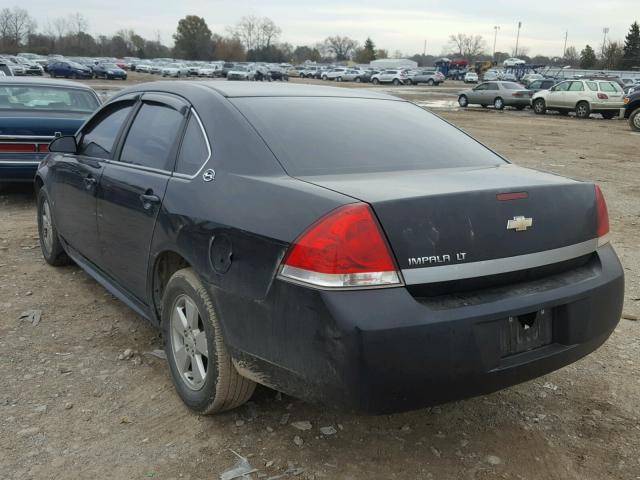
[61,26]
[15,25]
[255,32]
[612,55]
[571,56]
[467,46]
[78,23]
[341,47]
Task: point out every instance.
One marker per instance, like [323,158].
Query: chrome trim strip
[33,138]
[184,176]
[483,268]
[5,162]
[134,166]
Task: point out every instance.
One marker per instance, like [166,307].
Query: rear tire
[50,244]
[202,369]
[430,82]
[396,82]
[498,104]
[338,79]
[634,120]
[539,106]
[463,101]
[583,110]
[375,81]
[357,80]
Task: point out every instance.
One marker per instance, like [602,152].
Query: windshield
[325,136]
[109,65]
[28,97]
[75,65]
[240,69]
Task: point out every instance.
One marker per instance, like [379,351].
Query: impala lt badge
[519,224]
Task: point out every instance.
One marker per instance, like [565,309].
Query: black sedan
[277,236]
[109,71]
[32,112]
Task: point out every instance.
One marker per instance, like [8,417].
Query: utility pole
[518,38]
[495,37]
[564,50]
[424,50]
[605,30]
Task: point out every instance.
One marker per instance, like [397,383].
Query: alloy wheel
[189,343]
[47,231]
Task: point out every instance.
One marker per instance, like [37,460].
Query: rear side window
[98,140]
[608,87]
[152,136]
[511,86]
[592,86]
[194,150]
[325,136]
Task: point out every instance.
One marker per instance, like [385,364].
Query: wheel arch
[165,264]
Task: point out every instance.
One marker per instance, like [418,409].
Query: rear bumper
[18,171]
[383,351]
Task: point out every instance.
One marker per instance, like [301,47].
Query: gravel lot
[70,408]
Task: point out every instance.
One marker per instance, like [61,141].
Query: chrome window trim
[26,138]
[134,166]
[445,273]
[184,176]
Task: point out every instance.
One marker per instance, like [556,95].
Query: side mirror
[66,144]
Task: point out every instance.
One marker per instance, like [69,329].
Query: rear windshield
[28,97]
[325,136]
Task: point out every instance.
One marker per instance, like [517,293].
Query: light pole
[605,30]
[495,37]
[564,50]
[518,38]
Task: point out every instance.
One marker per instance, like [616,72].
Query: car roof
[43,82]
[259,89]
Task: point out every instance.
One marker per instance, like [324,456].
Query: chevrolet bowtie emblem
[519,224]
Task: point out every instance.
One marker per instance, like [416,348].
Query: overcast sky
[394,25]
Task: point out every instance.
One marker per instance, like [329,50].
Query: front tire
[539,106]
[375,81]
[396,82]
[463,101]
[634,120]
[583,110]
[430,82]
[50,244]
[498,104]
[203,373]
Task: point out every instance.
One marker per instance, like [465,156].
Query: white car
[512,62]
[581,96]
[175,70]
[240,72]
[334,73]
[471,77]
[395,76]
[213,70]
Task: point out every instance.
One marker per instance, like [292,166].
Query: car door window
[576,87]
[99,137]
[152,136]
[194,151]
[482,86]
[562,87]
[492,86]
[535,84]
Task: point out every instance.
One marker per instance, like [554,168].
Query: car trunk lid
[458,216]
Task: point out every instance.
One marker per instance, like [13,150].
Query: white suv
[581,96]
[397,77]
[334,73]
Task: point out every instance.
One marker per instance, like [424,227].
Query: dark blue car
[109,71]
[68,69]
[32,112]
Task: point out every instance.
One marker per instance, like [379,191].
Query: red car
[122,64]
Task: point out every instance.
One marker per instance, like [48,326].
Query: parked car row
[584,97]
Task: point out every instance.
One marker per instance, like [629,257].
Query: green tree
[587,57]
[631,56]
[366,53]
[193,39]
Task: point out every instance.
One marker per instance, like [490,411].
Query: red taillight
[603,217]
[602,96]
[517,94]
[345,248]
[17,147]
[512,196]
[44,147]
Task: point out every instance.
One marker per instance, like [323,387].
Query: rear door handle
[148,200]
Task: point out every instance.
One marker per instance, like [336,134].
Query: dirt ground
[70,409]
